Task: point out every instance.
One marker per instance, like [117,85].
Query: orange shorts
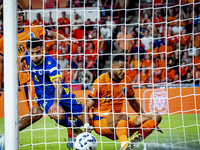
[28,93]
[101,127]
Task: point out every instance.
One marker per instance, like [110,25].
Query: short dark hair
[118,58]
[33,42]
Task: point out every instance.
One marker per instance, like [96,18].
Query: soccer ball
[2,142]
[85,141]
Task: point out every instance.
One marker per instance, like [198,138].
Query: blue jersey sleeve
[52,67]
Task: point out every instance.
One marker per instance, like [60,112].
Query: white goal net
[160,38]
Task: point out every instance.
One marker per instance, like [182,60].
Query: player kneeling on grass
[52,94]
[106,99]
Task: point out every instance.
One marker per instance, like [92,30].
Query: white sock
[123,143]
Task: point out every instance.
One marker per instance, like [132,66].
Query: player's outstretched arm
[135,105]
[86,108]
[55,35]
[58,93]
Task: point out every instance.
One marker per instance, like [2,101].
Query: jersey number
[21,48]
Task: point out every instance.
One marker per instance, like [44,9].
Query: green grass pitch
[45,135]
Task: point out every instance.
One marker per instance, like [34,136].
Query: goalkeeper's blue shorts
[70,105]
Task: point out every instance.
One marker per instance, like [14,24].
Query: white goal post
[10,75]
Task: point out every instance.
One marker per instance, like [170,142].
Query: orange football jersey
[23,36]
[109,95]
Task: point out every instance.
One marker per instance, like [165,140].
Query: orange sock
[147,127]
[122,131]
[132,129]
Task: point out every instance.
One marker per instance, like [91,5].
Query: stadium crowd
[162,47]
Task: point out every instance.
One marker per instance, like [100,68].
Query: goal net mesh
[161,40]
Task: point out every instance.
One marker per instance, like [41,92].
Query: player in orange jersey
[107,96]
[26,85]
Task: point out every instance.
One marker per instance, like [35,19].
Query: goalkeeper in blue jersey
[52,94]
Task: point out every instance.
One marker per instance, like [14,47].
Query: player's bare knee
[158,117]
[1,59]
[37,112]
[58,117]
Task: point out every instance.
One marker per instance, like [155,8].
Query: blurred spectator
[55,5]
[138,49]
[170,74]
[159,41]
[183,70]
[176,79]
[188,79]
[166,48]
[67,32]
[106,35]
[156,78]
[147,63]
[122,3]
[78,33]
[39,20]
[172,17]
[184,39]
[144,78]
[152,50]
[196,18]
[78,57]
[172,38]
[196,75]
[186,58]
[137,63]
[83,76]
[63,20]
[152,28]
[197,59]
[91,56]
[196,38]
[62,61]
[189,23]
[98,42]
[183,18]
[77,20]
[132,72]
[176,29]
[121,42]
[191,50]
[164,29]
[89,25]
[110,23]
[67,4]
[157,18]
[67,74]
[51,48]
[161,63]
[176,46]
[146,40]
[105,32]
[50,26]
[122,47]
[25,21]
[175,59]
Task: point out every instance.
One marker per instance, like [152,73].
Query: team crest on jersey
[49,62]
[124,91]
[92,90]
[31,34]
